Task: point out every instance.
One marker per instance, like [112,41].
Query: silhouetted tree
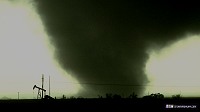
[109,95]
[158,95]
[155,96]
[80,97]
[72,97]
[132,95]
[63,97]
[99,96]
[116,96]
[177,96]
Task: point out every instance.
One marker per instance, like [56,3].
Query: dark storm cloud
[104,41]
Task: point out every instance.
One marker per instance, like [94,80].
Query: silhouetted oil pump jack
[39,92]
[43,96]
[40,89]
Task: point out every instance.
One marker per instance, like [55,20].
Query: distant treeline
[131,96]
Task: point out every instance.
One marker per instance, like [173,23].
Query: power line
[112,84]
[106,84]
[109,84]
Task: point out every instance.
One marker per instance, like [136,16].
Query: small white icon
[169,106]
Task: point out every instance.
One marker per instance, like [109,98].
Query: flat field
[103,105]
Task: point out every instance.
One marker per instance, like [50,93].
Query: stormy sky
[104,42]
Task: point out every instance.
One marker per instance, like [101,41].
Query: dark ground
[103,105]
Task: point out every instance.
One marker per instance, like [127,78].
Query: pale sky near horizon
[91,54]
[175,69]
[26,54]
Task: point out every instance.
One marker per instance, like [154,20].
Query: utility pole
[18,95]
[42,84]
[49,85]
